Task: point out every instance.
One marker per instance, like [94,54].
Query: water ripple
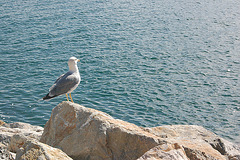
[146,62]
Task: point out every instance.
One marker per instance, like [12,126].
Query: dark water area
[151,63]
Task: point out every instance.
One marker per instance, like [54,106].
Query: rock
[85,133]
[165,152]
[8,130]
[195,150]
[34,150]
[198,143]
[1,122]
[17,141]
[4,153]
[23,139]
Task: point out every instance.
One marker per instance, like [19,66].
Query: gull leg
[67,97]
[70,96]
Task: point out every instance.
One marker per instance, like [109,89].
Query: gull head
[72,64]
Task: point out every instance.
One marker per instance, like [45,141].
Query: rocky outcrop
[27,130]
[5,154]
[198,143]
[23,138]
[85,133]
[14,135]
[34,150]
[165,152]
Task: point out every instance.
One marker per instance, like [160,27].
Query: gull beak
[78,60]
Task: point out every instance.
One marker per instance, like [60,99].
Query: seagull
[67,82]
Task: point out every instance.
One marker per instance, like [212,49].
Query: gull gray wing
[64,84]
[56,82]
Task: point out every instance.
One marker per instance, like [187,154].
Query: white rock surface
[29,131]
[198,142]
[34,150]
[165,152]
[5,154]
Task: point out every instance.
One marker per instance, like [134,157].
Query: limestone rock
[165,152]
[17,141]
[34,150]
[198,143]
[1,122]
[85,133]
[225,147]
[4,153]
[8,130]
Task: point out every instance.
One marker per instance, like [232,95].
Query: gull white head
[72,64]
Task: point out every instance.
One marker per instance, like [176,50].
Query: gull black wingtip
[48,97]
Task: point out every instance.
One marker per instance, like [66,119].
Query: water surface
[151,63]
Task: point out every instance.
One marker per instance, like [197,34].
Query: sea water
[148,62]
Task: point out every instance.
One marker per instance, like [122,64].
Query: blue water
[148,62]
